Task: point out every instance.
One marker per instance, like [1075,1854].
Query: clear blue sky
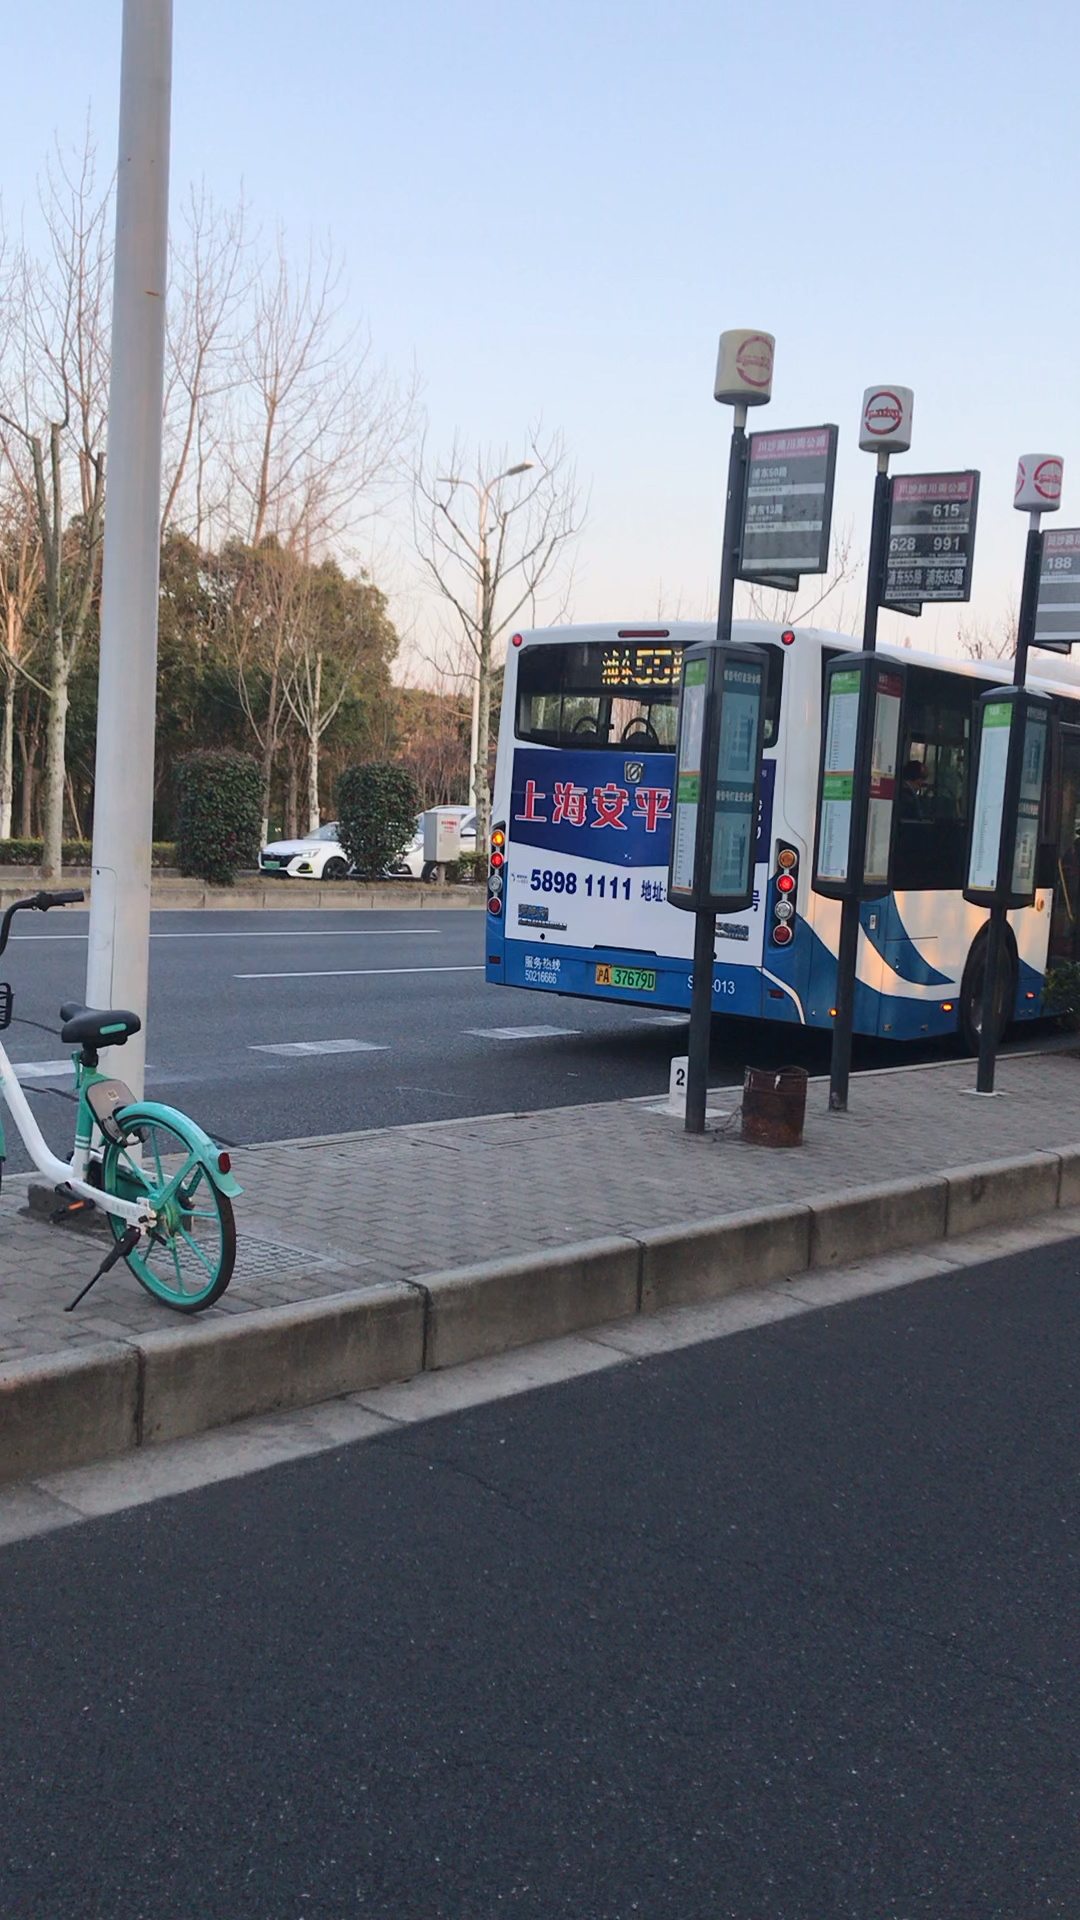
[554,209]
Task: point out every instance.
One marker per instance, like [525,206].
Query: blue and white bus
[581,823]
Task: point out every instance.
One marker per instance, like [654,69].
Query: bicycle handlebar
[40,902]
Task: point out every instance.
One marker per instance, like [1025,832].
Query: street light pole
[118,959]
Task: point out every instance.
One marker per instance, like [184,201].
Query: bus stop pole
[850,908]
[995,939]
[701,996]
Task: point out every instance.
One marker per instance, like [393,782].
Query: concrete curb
[67,1410]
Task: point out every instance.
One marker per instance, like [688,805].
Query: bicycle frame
[70,1173]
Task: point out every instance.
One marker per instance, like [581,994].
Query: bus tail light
[783,894]
[496,879]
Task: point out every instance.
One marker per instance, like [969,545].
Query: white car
[412,861]
[319,856]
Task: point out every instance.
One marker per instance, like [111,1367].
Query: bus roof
[1055,675]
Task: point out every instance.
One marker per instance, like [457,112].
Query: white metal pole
[118,961]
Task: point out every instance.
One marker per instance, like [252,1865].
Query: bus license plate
[634,979]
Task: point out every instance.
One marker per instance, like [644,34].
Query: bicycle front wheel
[187,1258]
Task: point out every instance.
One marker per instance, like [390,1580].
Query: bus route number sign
[1057,617]
[787,519]
[931,540]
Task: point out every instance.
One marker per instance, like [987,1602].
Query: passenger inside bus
[912,789]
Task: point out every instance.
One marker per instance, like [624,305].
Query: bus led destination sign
[931,537]
[789,498]
[633,666]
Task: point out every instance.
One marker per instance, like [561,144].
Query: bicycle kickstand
[126,1244]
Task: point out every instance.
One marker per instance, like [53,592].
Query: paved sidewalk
[324,1217]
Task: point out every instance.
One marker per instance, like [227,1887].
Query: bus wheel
[971,990]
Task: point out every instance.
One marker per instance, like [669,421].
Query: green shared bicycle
[165,1187]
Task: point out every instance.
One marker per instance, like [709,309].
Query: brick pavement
[322,1217]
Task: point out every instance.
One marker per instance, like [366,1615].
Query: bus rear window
[613,694]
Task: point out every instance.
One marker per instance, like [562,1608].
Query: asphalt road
[779,1627]
[403,994]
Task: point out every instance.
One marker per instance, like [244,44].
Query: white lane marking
[40,1069]
[661,1019]
[353,973]
[518,1033]
[47,1069]
[319,1046]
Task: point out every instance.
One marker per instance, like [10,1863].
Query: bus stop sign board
[931,537]
[1057,617]
[789,496]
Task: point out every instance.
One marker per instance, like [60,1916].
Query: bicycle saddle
[97,1027]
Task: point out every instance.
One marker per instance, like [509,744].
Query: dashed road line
[519,1033]
[318,1046]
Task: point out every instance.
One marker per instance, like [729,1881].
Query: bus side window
[931,840]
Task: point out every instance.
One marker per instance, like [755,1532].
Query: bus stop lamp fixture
[483,588]
[860,741]
[1011,730]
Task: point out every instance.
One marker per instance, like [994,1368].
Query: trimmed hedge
[75,853]
[377,805]
[219,815]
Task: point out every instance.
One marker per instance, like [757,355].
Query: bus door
[1065,914]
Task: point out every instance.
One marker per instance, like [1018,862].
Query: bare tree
[990,639]
[795,609]
[209,282]
[312,446]
[260,595]
[336,625]
[54,403]
[317,427]
[20,582]
[493,537]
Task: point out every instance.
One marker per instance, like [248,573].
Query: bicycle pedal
[73,1207]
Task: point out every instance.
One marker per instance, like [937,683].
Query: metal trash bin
[774,1106]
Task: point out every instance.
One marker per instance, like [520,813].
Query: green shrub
[472,868]
[219,814]
[377,807]
[1061,993]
